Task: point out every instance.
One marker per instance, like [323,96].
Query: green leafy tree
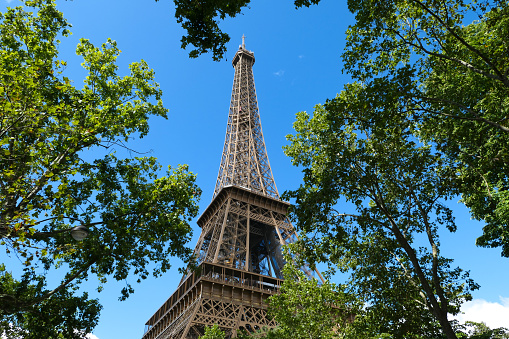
[201,21]
[213,332]
[306,308]
[50,132]
[474,330]
[427,120]
[468,101]
[453,80]
[398,187]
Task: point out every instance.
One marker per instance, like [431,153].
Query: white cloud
[279,73]
[494,314]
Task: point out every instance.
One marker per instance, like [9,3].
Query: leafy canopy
[426,120]
[213,332]
[388,240]
[448,63]
[305,308]
[201,20]
[53,176]
[476,330]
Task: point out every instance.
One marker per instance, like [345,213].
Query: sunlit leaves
[306,308]
[360,149]
[213,332]
[448,62]
[53,178]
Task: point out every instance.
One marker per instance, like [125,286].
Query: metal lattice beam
[214,294]
[244,161]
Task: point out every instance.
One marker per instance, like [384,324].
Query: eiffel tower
[239,250]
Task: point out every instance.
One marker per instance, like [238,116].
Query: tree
[304,309]
[307,309]
[454,82]
[398,187]
[201,20]
[427,120]
[468,120]
[49,131]
[213,332]
[475,330]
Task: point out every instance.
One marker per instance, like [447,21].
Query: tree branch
[464,43]
[435,251]
[63,284]
[459,105]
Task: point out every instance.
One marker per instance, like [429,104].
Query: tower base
[214,294]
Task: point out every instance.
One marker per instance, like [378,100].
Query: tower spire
[243,41]
[244,162]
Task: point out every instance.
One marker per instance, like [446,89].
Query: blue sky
[298,65]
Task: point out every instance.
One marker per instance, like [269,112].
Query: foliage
[53,177]
[307,309]
[454,82]
[474,330]
[454,76]
[58,316]
[398,187]
[213,332]
[478,135]
[201,19]
[425,121]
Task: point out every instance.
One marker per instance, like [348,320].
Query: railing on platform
[217,273]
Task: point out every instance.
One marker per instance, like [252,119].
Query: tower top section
[244,162]
[243,53]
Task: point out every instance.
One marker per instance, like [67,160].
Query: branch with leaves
[51,179]
[398,188]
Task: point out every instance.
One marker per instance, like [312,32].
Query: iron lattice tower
[244,162]
[243,228]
